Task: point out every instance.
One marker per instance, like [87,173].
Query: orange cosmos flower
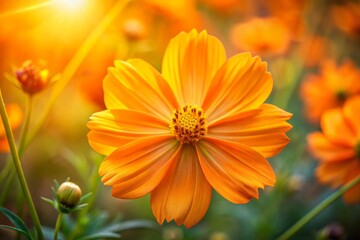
[200,124]
[330,88]
[15,117]
[338,147]
[346,18]
[264,36]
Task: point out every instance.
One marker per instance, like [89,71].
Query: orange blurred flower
[32,78]
[263,36]
[15,117]
[200,124]
[338,147]
[346,18]
[291,13]
[330,88]
[229,6]
[313,50]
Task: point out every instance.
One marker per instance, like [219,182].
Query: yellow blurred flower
[330,88]
[337,147]
[200,124]
[15,116]
[262,36]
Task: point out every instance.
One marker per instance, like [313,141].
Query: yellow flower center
[189,124]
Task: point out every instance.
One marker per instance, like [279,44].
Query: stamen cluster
[189,124]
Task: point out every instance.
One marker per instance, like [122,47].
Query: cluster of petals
[330,88]
[263,36]
[346,18]
[337,147]
[144,156]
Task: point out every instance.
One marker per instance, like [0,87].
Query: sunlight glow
[27,9]
[71,4]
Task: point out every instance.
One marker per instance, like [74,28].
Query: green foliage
[19,224]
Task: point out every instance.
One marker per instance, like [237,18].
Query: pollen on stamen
[188,124]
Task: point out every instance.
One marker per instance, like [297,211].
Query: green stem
[5,171]
[318,209]
[78,58]
[58,225]
[94,187]
[25,128]
[18,168]
[10,174]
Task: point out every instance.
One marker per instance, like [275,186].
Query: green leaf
[85,197]
[51,202]
[18,223]
[133,224]
[100,235]
[16,229]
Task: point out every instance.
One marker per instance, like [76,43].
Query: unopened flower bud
[133,29]
[69,194]
[32,78]
[219,236]
[173,233]
[333,231]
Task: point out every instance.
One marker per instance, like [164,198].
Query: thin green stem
[77,59]
[94,187]
[10,174]
[58,225]
[5,171]
[318,209]
[4,176]
[18,168]
[25,128]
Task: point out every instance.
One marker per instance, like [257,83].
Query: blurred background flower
[339,154]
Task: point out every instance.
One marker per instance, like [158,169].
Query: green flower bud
[69,194]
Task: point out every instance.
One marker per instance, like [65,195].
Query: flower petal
[111,129]
[336,128]
[136,168]
[261,129]
[235,171]
[351,112]
[190,62]
[242,83]
[317,97]
[335,173]
[184,194]
[326,150]
[353,195]
[137,85]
